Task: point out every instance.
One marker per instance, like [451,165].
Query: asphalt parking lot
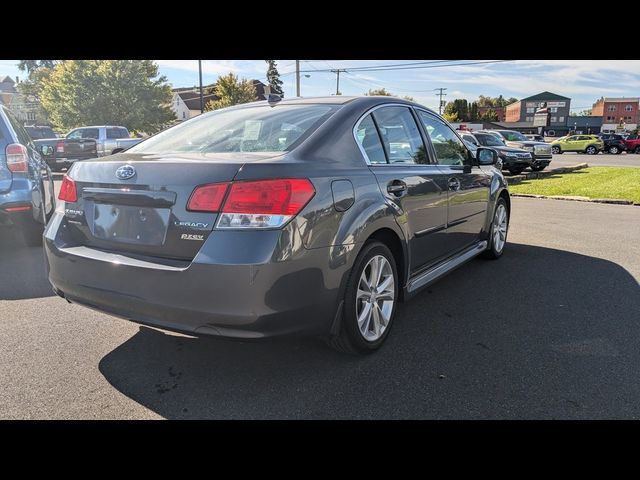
[600,160]
[550,331]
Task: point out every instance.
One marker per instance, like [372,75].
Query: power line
[440,94]
[415,66]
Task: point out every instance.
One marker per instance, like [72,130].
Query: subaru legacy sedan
[314,215]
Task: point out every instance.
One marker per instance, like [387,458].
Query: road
[549,331]
[600,160]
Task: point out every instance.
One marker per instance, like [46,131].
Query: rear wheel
[614,150]
[591,150]
[515,170]
[498,230]
[537,168]
[369,302]
[556,150]
[637,150]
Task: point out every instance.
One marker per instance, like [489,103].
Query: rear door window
[91,133]
[117,132]
[400,135]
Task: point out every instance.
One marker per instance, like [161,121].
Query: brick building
[618,114]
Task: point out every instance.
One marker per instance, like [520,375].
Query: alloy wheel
[500,224]
[375,298]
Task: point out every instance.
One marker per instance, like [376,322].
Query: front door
[414,186]
[467,186]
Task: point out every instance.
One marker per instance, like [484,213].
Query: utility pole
[440,94]
[337,72]
[297,78]
[201,92]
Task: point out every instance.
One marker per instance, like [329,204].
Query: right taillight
[264,203]
[68,191]
[17,157]
[60,146]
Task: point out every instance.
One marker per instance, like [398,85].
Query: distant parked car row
[515,151]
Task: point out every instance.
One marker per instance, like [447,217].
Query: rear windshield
[487,140]
[252,129]
[40,132]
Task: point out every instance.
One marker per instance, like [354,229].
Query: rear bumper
[16,205]
[246,297]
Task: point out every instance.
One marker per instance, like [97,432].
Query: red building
[618,114]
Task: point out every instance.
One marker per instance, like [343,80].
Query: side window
[449,148]
[23,136]
[75,134]
[400,135]
[369,140]
[117,132]
[90,133]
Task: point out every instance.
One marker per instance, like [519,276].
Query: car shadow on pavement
[541,333]
[22,268]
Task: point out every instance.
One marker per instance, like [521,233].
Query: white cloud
[215,67]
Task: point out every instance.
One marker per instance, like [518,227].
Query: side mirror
[486,156]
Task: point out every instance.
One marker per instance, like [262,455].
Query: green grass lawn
[592,182]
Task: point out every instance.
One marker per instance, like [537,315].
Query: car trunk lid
[137,203]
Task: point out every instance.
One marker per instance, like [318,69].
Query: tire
[538,168]
[515,170]
[614,150]
[32,232]
[637,150]
[591,150]
[352,337]
[556,150]
[495,250]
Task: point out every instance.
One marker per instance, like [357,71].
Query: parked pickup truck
[60,153]
[633,143]
[109,139]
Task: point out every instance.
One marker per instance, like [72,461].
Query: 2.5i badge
[189,236]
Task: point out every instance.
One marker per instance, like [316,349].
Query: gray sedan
[312,216]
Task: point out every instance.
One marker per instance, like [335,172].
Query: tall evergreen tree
[273,77]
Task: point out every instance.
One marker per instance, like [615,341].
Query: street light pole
[201,92]
[297,78]
[337,72]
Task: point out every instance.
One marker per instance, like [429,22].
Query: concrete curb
[545,173]
[613,201]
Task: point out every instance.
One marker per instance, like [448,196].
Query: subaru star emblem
[125,172]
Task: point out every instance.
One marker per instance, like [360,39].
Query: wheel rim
[555,150]
[375,298]
[613,150]
[500,224]
[590,150]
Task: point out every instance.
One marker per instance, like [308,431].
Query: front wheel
[556,150]
[614,150]
[498,230]
[538,168]
[369,302]
[637,150]
[591,150]
[515,170]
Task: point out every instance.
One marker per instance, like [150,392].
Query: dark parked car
[535,136]
[315,215]
[613,143]
[61,153]
[540,151]
[27,197]
[515,160]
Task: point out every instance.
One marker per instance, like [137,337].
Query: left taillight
[17,157]
[68,191]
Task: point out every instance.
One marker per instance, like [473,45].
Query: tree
[489,116]
[273,77]
[450,117]
[583,113]
[107,92]
[231,91]
[473,112]
[511,100]
[31,66]
[409,98]
[379,91]
[459,107]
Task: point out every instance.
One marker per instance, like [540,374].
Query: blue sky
[583,81]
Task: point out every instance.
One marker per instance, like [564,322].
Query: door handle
[454,184]
[397,188]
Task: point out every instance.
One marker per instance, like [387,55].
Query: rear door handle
[454,184]
[397,187]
